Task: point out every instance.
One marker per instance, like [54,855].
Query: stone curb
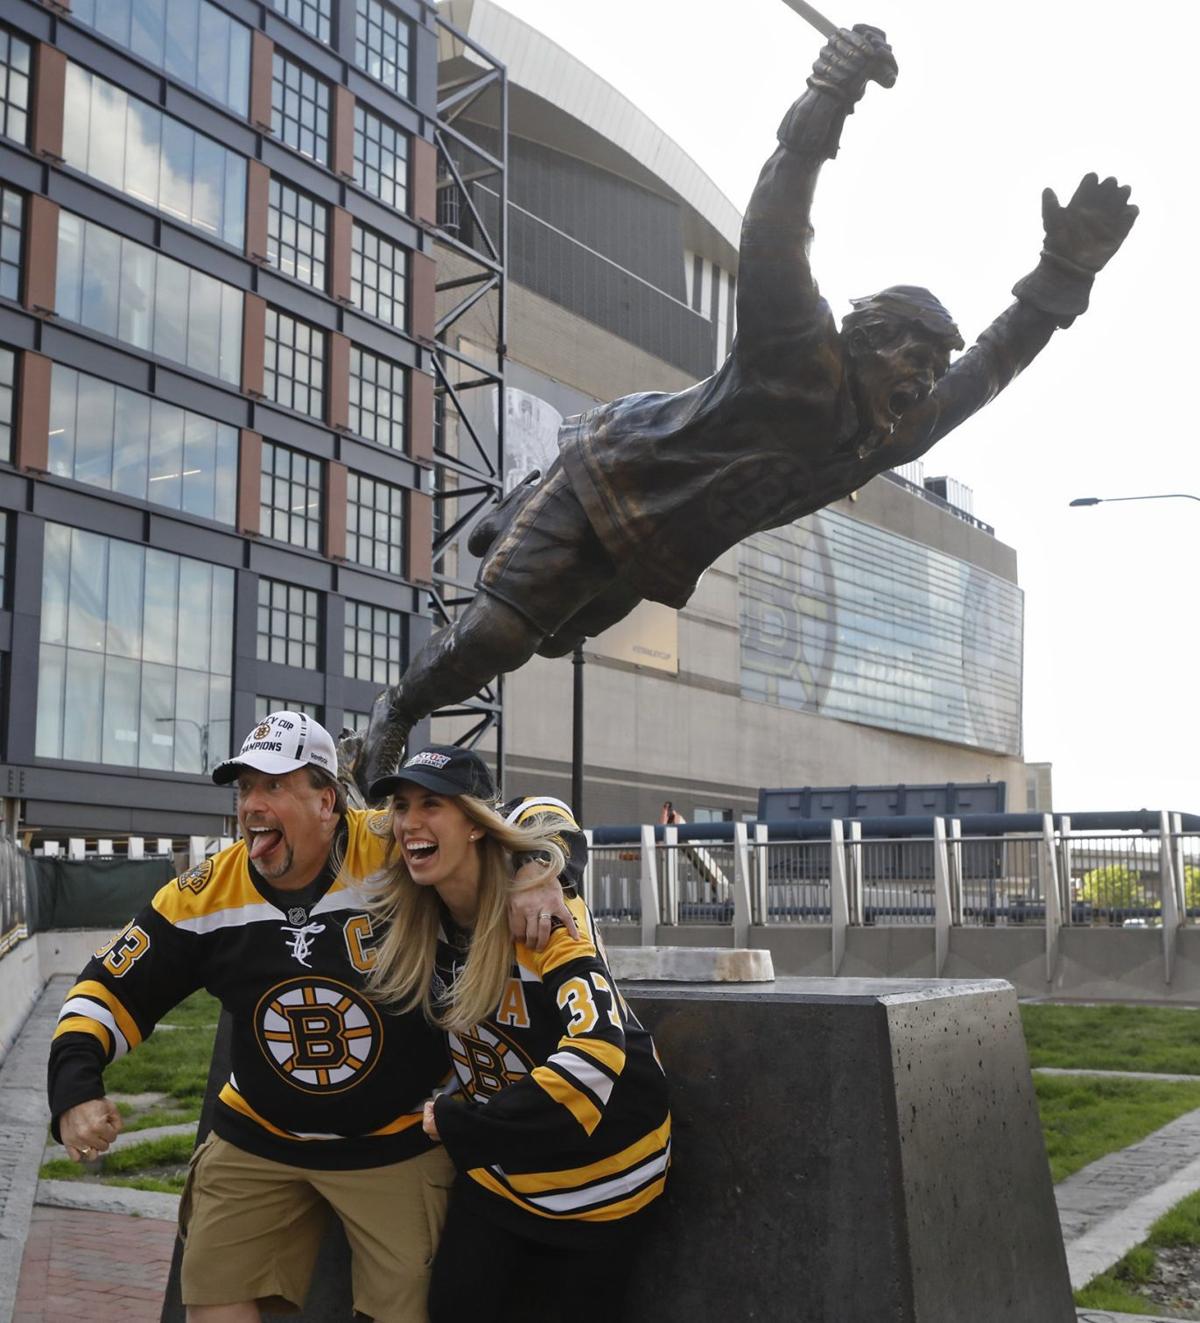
[1118,1075]
[1102,1245]
[108,1199]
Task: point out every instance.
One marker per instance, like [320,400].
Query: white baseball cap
[282,742]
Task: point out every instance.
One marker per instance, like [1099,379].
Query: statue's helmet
[908,305]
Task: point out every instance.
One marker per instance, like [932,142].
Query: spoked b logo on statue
[319,1034]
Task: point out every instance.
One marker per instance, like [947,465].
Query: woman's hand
[429,1122]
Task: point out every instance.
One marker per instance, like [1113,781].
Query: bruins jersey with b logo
[321,1076]
[563,1124]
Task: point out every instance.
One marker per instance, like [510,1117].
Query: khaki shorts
[251,1229]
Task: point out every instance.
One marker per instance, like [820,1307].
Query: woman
[560,1130]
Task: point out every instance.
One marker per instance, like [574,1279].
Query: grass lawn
[1117,1288]
[174,1062]
[1158,1039]
[1084,1118]
[158,1164]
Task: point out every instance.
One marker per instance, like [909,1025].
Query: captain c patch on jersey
[319,1034]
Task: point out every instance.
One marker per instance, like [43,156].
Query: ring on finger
[545,914]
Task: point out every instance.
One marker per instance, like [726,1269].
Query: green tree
[1191,885]
[1113,887]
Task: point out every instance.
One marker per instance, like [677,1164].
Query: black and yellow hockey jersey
[321,1077]
[562,1126]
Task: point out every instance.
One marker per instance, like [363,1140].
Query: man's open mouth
[263,840]
[902,399]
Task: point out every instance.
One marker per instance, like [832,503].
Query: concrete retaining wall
[26,969]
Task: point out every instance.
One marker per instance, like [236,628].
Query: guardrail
[834,875]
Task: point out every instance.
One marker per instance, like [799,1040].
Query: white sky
[939,183]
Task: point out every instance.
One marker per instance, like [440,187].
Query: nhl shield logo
[320,1035]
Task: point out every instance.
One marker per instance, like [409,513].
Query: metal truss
[471,245]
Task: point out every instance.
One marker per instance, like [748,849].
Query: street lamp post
[1153,496]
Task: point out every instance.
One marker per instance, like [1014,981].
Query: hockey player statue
[648,490]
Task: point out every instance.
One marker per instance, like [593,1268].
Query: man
[323,1104]
[650,489]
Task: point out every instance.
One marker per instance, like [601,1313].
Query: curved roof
[543,67]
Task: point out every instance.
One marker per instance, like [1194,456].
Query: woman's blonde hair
[409,917]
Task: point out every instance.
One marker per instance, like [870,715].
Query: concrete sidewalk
[86,1253]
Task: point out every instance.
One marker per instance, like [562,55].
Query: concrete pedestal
[845,1151]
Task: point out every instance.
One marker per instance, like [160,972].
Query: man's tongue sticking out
[262,842]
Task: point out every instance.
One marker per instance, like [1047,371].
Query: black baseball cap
[443,768]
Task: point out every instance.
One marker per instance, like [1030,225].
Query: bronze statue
[648,490]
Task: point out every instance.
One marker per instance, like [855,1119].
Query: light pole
[1154,496]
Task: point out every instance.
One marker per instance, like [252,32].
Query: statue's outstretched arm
[1080,239]
[776,290]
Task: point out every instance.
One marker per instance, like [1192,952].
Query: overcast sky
[939,183]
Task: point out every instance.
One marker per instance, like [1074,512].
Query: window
[14,85]
[380,158]
[300,109]
[11,213]
[192,41]
[377,387]
[136,655]
[263,707]
[373,635]
[133,147]
[930,645]
[312,15]
[289,624]
[112,437]
[294,364]
[122,289]
[377,276]
[356,720]
[296,234]
[291,496]
[381,41]
[375,523]
[8,369]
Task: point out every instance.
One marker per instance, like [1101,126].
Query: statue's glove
[1080,239]
[849,60]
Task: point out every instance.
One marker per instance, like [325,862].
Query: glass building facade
[207,450]
[843,619]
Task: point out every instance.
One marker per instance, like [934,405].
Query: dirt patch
[1174,1287]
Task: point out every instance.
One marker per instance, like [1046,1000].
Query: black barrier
[92,893]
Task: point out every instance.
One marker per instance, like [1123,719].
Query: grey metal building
[215,404]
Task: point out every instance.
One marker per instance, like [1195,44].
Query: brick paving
[93,1266]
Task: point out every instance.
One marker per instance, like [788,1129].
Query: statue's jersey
[564,1127]
[321,1076]
[671,481]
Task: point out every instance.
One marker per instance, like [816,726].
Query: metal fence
[614,883]
[739,874]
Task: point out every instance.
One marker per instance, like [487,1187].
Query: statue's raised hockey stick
[813,16]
